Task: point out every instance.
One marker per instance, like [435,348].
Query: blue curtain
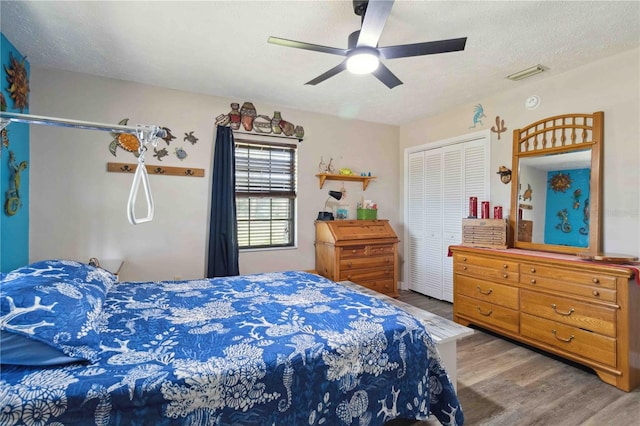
[223,233]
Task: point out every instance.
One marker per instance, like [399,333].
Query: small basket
[367,214]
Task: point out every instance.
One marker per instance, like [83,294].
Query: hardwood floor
[501,382]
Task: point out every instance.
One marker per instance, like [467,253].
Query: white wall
[78,210]
[611,85]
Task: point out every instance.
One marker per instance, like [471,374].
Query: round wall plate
[532,102]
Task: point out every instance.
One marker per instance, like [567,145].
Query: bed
[287,348]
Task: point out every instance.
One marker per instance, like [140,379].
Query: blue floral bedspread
[287,348]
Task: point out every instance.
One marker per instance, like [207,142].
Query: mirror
[556,184]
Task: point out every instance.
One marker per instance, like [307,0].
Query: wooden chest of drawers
[583,311]
[361,251]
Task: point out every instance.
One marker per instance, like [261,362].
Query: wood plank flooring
[504,383]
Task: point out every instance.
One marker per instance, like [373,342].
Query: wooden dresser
[584,311]
[362,251]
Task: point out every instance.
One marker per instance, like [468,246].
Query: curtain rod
[8,117]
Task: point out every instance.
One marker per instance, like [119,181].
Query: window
[265,194]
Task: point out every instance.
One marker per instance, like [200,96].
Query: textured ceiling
[220,47]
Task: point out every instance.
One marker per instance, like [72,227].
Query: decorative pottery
[235,116]
[248,114]
[262,124]
[287,128]
[299,132]
[275,122]
[222,120]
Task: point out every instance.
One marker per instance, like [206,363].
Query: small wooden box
[490,233]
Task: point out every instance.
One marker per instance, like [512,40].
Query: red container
[473,207]
[485,210]
[497,212]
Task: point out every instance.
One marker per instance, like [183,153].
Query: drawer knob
[566,314]
[562,339]
[387,260]
[486,314]
[533,281]
[349,264]
[505,275]
[505,266]
[596,281]
[484,292]
[464,259]
[464,268]
[533,270]
[596,293]
[353,251]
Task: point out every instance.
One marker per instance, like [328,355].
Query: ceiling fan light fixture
[521,75]
[363,60]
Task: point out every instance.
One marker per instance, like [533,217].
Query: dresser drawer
[568,276]
[497,264]
[487,313]
[571,339]
[598,319]
[352,263]
[352,251]
[382,285]
[486,273]
[361,275]
[495,293]
[381,249]
[589,291]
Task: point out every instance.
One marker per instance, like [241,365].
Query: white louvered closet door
[433,161]
[415,222]
[439,184]
[452,213]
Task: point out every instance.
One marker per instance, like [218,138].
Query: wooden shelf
[349,178]
[156,170]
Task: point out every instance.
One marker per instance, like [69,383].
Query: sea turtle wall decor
[189,137]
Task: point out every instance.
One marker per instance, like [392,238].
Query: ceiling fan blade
[374,19]
[386,76]
[426,48]
[333,71]
[307,46]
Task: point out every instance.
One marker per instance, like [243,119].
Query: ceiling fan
[363,54]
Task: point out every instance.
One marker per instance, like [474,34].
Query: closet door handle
[562,339]
[566,314]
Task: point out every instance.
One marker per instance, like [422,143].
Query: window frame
[259,189]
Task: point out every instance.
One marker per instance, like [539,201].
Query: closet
[439,179]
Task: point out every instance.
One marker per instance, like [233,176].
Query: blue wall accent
[558,201]
[14,230]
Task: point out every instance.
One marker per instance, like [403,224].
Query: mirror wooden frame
[556,135]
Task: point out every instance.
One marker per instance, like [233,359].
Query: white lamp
[363,60]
